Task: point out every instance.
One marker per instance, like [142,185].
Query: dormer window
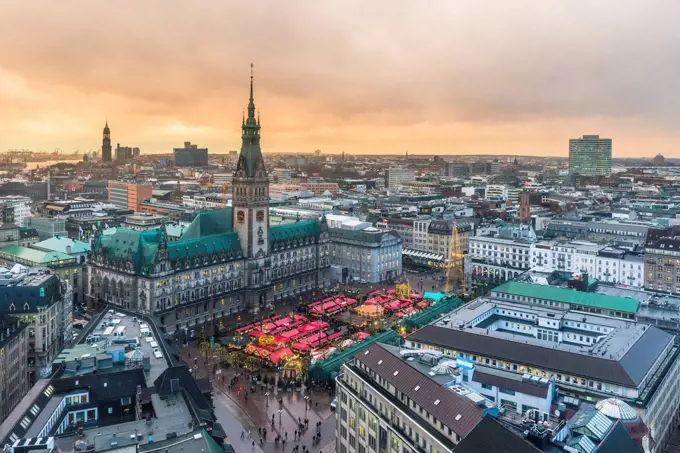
[12,307]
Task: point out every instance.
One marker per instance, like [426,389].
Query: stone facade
[226,261]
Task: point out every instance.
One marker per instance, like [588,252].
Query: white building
[208,201]
[20,205]
[496,192]
[604,263]
[498,260]
[395,177]
[507,389]
[221,178]
[283,175]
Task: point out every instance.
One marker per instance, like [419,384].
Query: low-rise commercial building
[385,404]
[590,357]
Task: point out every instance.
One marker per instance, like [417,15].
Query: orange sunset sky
[380,76]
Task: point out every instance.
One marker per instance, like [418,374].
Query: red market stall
[280,354]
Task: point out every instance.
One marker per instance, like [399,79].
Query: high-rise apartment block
[590,155]
[125,153]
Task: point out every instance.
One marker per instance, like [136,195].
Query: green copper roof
[210,232]
[250,160]
[287,231]
[207,223]
[227,242]
[34,256]
[570,296]
[141,245]
[60,243]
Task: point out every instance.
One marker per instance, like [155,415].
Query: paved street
[238,413]
[289,408]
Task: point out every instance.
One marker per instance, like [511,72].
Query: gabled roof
[227,242]
[210,232]
[455,411]
[141,246]
[297,230]
[208,223]
[618,440]
[489,436]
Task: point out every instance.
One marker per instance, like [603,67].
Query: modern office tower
[590,155]
[394,177]
[190,156]
[127,195]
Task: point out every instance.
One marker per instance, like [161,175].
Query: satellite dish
[557,413]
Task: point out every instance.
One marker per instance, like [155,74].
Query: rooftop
[622,352]
[489,436]
[455,411]
[569,296]
[60,244]
[33,256]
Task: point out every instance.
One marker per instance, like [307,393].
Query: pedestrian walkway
[233,427]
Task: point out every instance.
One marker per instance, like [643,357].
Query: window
[487,386]
[371,442]
[506,391]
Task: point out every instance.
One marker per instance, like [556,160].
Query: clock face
[240,216]
[260,216]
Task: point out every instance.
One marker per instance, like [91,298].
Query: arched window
[105,287]
[121,289]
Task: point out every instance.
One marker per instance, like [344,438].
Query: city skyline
[364,79]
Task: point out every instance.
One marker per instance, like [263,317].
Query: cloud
[374,76]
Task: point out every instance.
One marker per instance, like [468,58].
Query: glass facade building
[590,155]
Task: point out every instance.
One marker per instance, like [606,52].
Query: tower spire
[251,104]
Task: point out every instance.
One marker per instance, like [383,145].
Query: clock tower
[250,191]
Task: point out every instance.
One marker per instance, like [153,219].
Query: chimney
[68,249]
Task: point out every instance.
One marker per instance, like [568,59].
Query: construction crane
[455,279]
